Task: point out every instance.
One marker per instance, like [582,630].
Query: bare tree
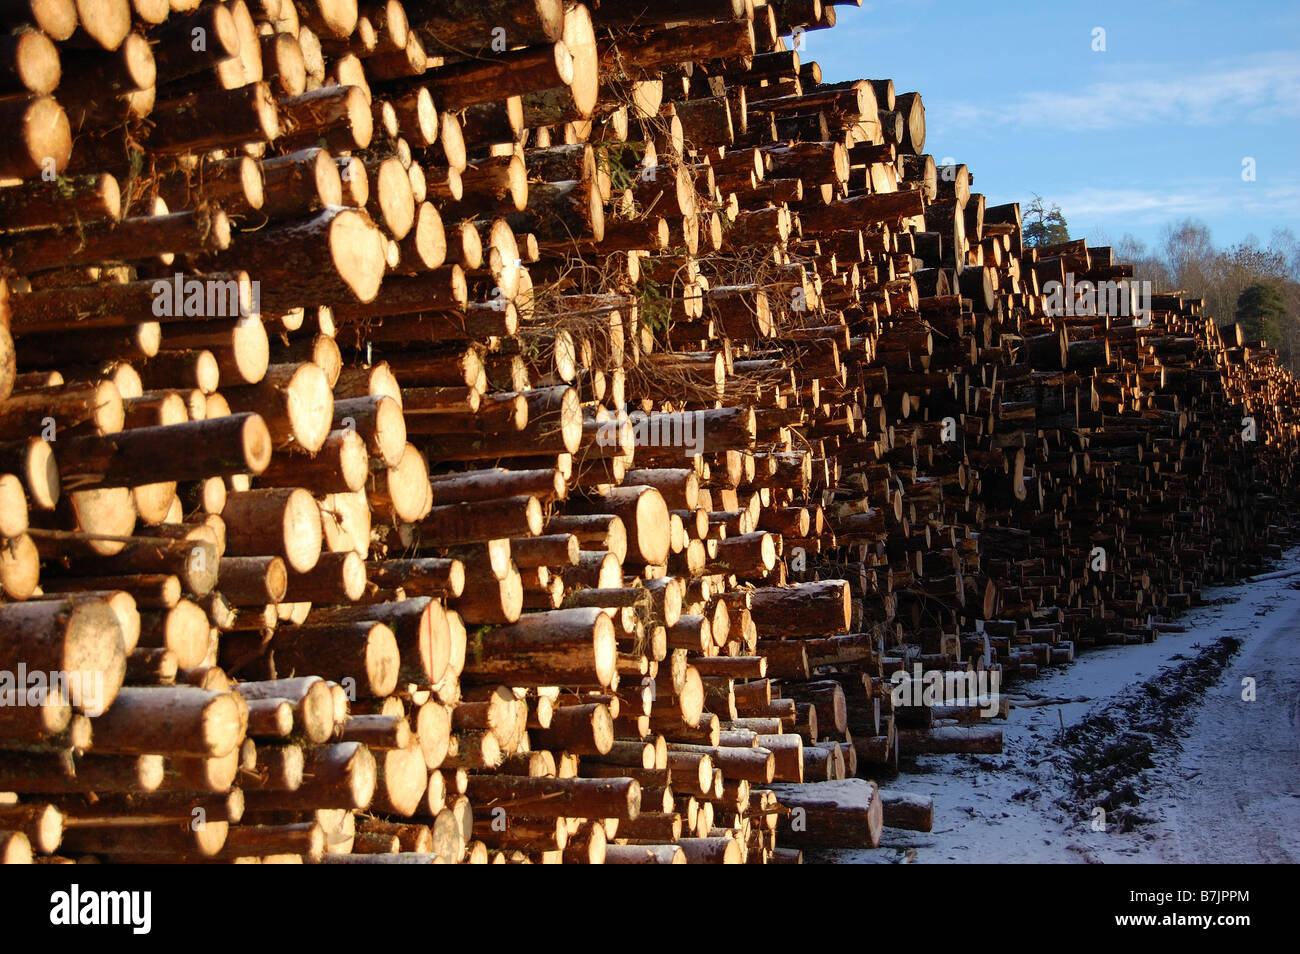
[1188,251]
[1256,284]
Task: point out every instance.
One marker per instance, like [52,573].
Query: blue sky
[1153,129]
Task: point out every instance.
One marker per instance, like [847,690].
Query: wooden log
[294,401]
[552,797]
[283,522]
[342,775]
[285,259]
[562,647]
[44,140]
[907,811]
[223,446]
[176,720]
[844,814]
[78,643]
[984,739]
[313,706]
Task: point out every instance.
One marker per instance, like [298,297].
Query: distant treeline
[1254,284]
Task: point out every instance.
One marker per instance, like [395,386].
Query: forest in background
[1253,283]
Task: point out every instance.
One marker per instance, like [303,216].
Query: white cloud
[1139,206]
[1261,88]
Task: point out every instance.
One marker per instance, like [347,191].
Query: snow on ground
[1226,790]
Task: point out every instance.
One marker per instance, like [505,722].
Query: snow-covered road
[1234,793]
[1228,792]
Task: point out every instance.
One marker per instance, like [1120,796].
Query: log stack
[539,432]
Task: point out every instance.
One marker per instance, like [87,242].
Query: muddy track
[1109,752]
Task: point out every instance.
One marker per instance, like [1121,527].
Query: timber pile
[506,431]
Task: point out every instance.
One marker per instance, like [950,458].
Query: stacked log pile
[440,432]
